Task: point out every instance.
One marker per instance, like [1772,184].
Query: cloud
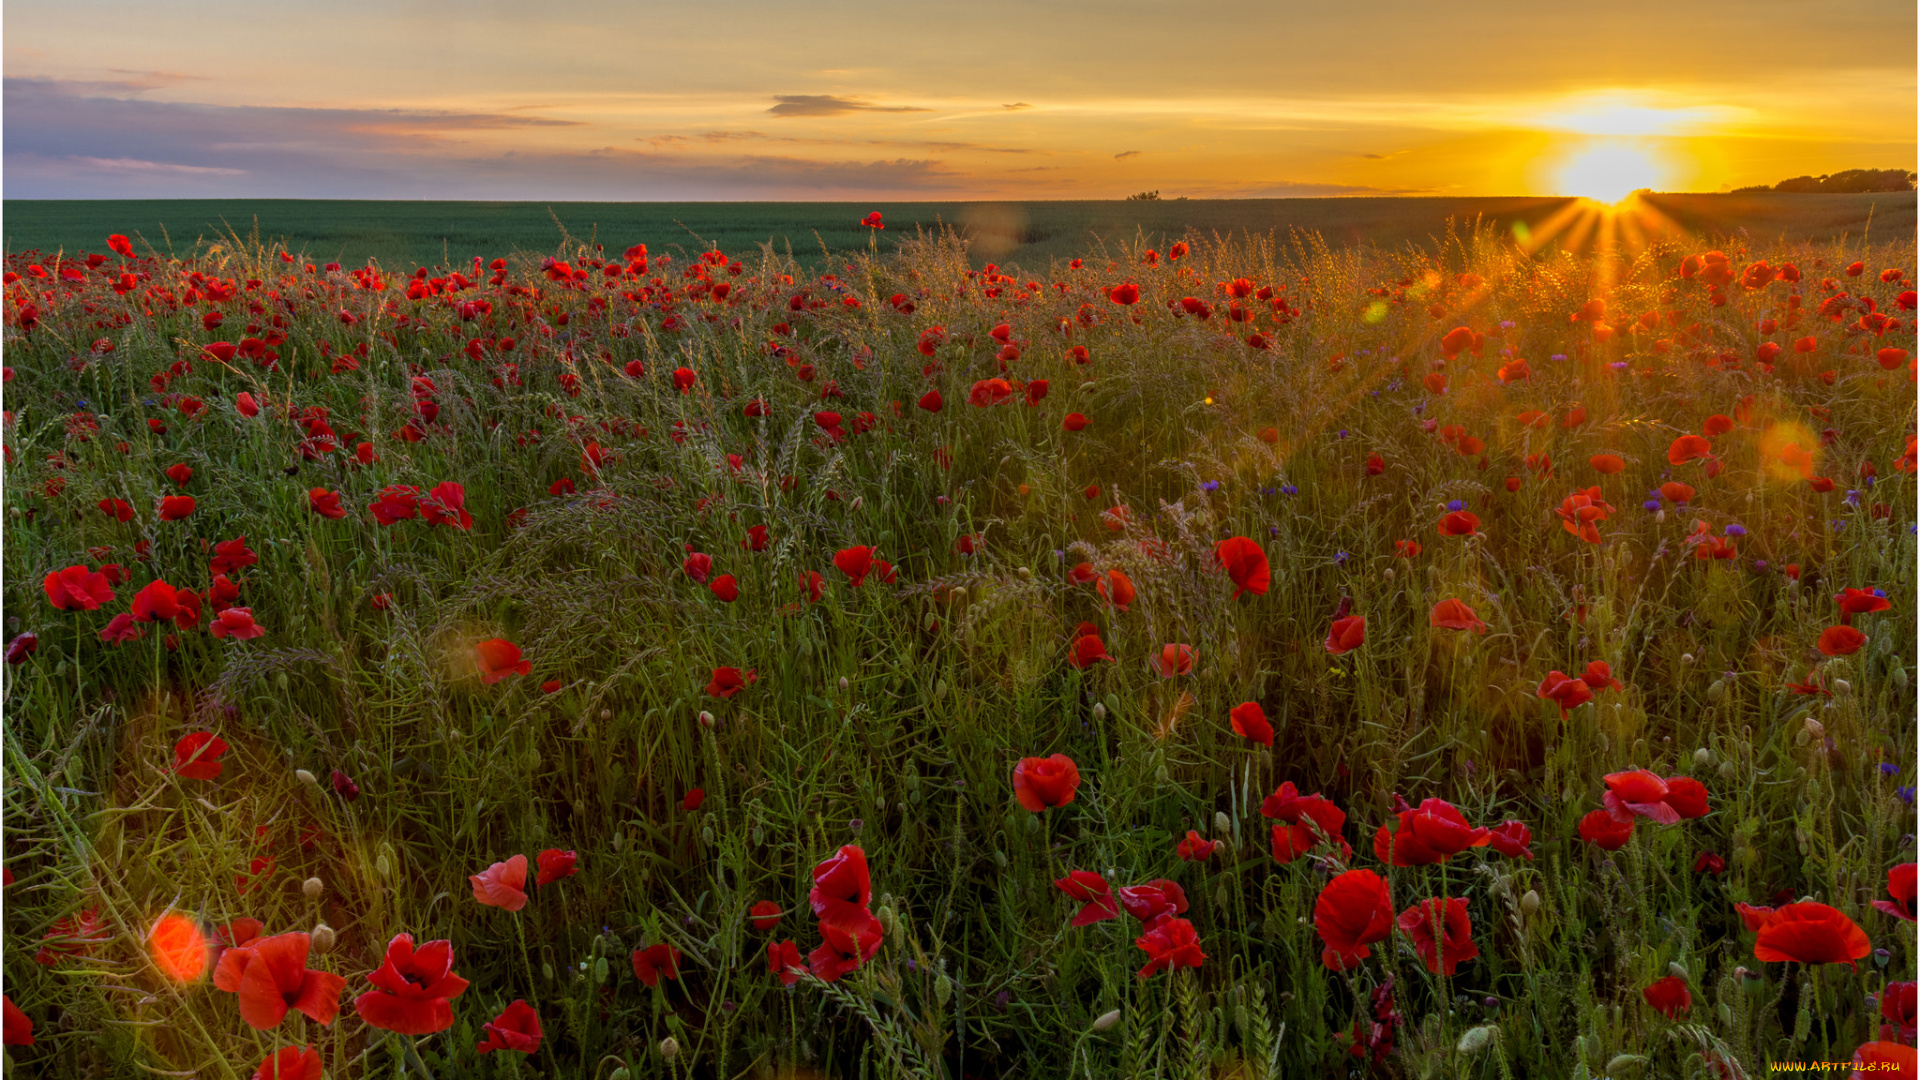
[1125,154]
[828,105]
[1016,106]
[137,166]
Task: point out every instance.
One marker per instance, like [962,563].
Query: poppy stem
[413,1057]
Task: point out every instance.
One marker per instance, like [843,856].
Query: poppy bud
[957,596]
[706,719]
[280,680]
[706,835]
[1840,686]
[620,1073]
[1899,680]
[755,835]
[1099,711]
[600,971]
[1727,771]
[1815,728]
[1025,573]
[323,938]
[1476,1039]
[382,866]
[606,714]
[546,972]
[844,685]
[1106,1020]
[1160,776]
[939,689]
[669,1048]
[1388,573]
[313,887]
[306,778]
[885,915]
[1725,1013]
[1530,903]
[1686,658]
[1716,690]
[1622,1064]
[1000,857]
[1222,824]
[858,502]
[1677,971]
[1085,386]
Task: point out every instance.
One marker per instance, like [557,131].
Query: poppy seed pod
[669,1048]
[1686,658]
[844,685]
[1106,1020]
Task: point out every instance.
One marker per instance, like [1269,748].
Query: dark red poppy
[1346,634]
[1811,933]
[556,864]
[325,503]
[1899,1006]
[176,507]
[931,401]
[683,379]
[18,1027]
[1353,911]
[855,562]
[1599,676]
[1169,943]
[1454,615]
[197,755]
[1087,649]
[1074,422]
[118,509]
[1669,997]
[498,658]
[842,889]
[344,786]
[1841,641]
[656,961]
[1442,937]
[1124,295]
[516,1028]
[989,392]
[756,538]
[1196,848]
[1640,793]
[1708,863]
[273,978]
[813,585]
[180,474]
[1250,722]
[1043,782]
[22,646]
[77,589]
[1460,523]
[1116,588]
[396,503]
[1510,838]
[843,950]
[1901,887]
[1305,822]
[446,504]
[1565,692]
[1860,602]
[783,961]
[1432,832]
[1605,831]
[1093,891]
[728,681]
[1245,562]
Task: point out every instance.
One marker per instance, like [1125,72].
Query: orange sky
[760,100]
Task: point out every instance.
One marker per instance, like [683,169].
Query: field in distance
[404,234]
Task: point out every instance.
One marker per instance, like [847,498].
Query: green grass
[403,234]
[892,716]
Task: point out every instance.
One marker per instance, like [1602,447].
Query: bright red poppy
[1043,782]
[655,962]
[396,503]
[783,961]
[1460,523]
[683,380]
[446,504]
[1170,943]
[842,889]
[843,950]
[1811,933]
[1887,1059]
[1305,822]
[1641,793]
[1094,893]
[1568,693]
[1087,649]
[157,602]
[291,1063]
[1171,660]
[1669,997]
[1582,512]
[1346,634]
[855,562]
[764,915]
[413,989]
[1442,937]
[1124,295]
[499,658]
[556,864]
[1605,831]
[1246,563]
[516,1028]
[1901,887]
[18,1027]
[234,622]
[1599,676]
[1353,911]
[1860,602]
[1510,838]
[1688,448]
[728,681]
[176,507]
[725,587]
[1196,848]
[1116,588]
[1250,722]
[273,979]
[502,885]
[1454,615]
[197,755]
[1432,832]
[326,504]
[1074,422]
[1841,641]
[932,401]
[1607,464]
[77,589]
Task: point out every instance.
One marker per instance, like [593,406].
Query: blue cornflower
[1211,485]
[1419,407]
[1343,433]
[1853,498]
[1339,558]
[1558,356]
[1650,505]
[1905,793]
[1736,530]
[1289,489]
[1455,505]
[1618,365]
[1888,768]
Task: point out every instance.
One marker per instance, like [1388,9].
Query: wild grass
[891,716]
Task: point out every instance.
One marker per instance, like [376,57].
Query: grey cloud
[1125,154]
[1016,106]
[791,105]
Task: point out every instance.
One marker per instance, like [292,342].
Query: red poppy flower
[118,509]
[1246,563]
[1860,602]
[325,503]
[502,885]
[1708,863]
[855,562]
[1195,848]
[1607,464]
[1510,838]
[756,538]
[1043,782]
[1669,997]
[197,755]
[692,799]
[1305,822]
[556,864]
[1171,660]
[1124,294]
[178,948]
[1688,448]
[989,392]
[843,950]
[1599,676]
[842,889]
[783,960]
[77,589]
[1582,512]
[727,681]
[1885,1059]
[1154,900]
[413,989]
[1036,390]
[180,474]
[1841,641]
[931,401]
[1087,649]
[273,978]
[1640,793]
[1605,831]
[291,1063]
[1901,887]
[1346,634]
[176,507]
[698,566]
[655,961]
[396,503]
[1353,911]
[1170,943]
[18,1027]
[1116,588]
[516,1028]
[872,221]
[1565,692]
[499,658]
[1074,422]
[1092,889]
[1899,1004]
[234,622]
[1250,722]
[1811,933]
[813,585]
[1460,523]
[1454,615]
[446,504]
[1444,939]
[1753,916]
[764,915]
[1432,832]
[683,380]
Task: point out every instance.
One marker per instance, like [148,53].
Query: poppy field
[1242,659]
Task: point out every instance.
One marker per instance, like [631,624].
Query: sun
[1608,172]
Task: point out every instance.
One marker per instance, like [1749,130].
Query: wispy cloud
[1125,154]
[791,105]
[1016,106]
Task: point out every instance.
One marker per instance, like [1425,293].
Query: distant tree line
[1849,181]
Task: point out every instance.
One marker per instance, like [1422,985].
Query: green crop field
[1195,657]
[405,234]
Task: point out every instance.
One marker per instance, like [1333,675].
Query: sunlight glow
[180,950]
[1608,172]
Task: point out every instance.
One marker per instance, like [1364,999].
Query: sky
[722,100]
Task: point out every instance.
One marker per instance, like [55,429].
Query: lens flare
[1609,172]
[180,950]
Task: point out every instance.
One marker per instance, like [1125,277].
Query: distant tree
[1144,196]
[1849,181]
